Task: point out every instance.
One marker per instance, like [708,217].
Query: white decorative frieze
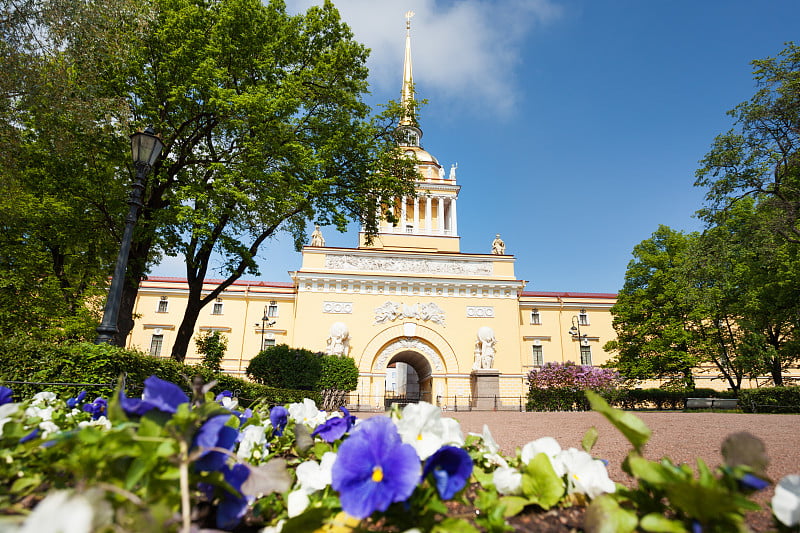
[337,307]
[391,311]
[407,264]
[409,344]
[480,311]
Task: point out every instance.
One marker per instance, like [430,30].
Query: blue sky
[577,125]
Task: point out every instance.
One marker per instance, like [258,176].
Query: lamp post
[265,322]
[145,149]
[575,331]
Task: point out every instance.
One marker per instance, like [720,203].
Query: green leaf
[540,483]
[604,515]
[657,523]
[454,525]
[653,473]
[513,505]
[627,423]
[589,439]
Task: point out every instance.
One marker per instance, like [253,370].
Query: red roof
[569,294]
[251,283]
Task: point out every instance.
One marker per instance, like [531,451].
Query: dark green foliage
[284,367]
[297,368]
[212,345]
[339,372]
[84,363]
[770,400]
[565,399]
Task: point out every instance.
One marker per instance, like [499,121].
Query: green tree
[760,156]
[62,186]
[212,344]
[652,318]
[265,129]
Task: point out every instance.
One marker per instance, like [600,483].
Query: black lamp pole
[575,330]
[145,148]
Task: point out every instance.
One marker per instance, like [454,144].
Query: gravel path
[683,437]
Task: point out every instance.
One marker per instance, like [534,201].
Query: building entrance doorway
[408,378]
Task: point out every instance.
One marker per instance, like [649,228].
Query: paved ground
[682,437]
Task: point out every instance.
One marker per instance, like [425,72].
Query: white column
[440,215]
[428,215]
[403,215]
[453,217]
[416,214]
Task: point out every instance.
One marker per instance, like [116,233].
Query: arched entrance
[409,377]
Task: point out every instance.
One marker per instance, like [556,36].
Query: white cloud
[464,52]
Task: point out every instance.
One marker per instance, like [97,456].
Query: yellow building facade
[419,316]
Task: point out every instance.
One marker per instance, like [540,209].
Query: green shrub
[212,344]
[286,368]
[34,361]
[339,372]
[566,399]
[770,400]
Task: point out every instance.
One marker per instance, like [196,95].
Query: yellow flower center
[419,436]
[377,474]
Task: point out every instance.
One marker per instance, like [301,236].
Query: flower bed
[173,462]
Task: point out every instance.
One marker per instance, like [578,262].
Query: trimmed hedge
[567,399]
[301,369]
[770,400]
[30,360]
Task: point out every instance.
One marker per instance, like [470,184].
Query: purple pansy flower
[214,434]
[6,395]
[334,428]
[223,394]
[30,436]
[231,507]
[158,394]
[72,402]
[374,468]
[97,408]
[752,482]
[450,467]
[279,417]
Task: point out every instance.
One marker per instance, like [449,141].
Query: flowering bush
[560,387]
[169,462]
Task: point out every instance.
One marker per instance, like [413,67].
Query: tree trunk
[776,371]
[185,331]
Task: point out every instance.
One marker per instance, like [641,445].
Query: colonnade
[420,219]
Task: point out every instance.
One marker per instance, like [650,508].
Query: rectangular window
[217,310]
[536,318]
[583,318]
[162,305]
[538,355]
[586,355]
[268,343]
[272,310]
[156,341]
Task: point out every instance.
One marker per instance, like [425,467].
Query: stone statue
[484,348]
[498,246]
[316,237]
[453,171]
[339,340]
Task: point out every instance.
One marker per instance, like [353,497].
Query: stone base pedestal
[485,389]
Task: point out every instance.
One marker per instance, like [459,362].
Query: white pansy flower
[313,476]
[423,427]
[491,448]
[65,511]
[296,502]
[45,397]
[45,413]
[252,437]
[507,480]
[229,403]
[48,427]
[306,413]
[6,410]
[786,501]
[102,422]
[585,475]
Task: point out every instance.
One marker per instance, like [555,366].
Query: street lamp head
[573,331]
[145,147]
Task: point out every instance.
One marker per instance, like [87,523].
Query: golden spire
[407,92]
